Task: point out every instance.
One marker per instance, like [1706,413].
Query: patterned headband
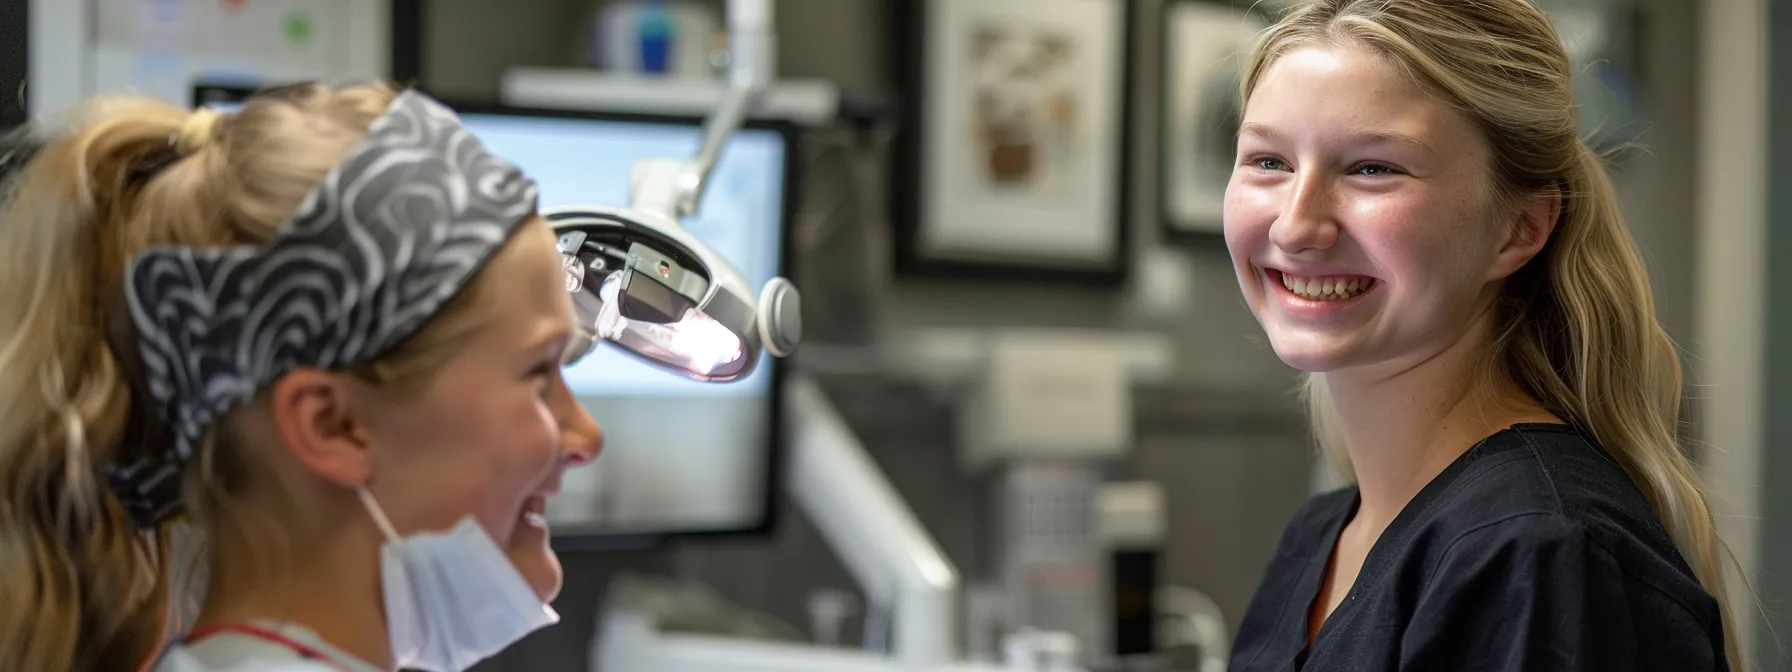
[373,252]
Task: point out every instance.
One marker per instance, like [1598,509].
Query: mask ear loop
[379,515]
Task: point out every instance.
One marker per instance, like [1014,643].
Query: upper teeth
[1327,288]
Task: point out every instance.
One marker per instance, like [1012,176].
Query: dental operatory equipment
[645,283]
[640,281]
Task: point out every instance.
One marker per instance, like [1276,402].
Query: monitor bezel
[576,540]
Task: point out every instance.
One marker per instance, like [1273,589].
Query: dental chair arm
[870,528]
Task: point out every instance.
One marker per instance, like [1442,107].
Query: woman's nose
[581,438]
[1306,221]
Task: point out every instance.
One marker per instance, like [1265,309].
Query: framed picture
[1206,47]
[1013,157]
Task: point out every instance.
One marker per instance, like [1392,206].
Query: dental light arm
[675,188]
[643,283]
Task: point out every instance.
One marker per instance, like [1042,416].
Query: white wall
[1732,243]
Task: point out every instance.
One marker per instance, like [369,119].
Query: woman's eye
[1376,170]
[544,377]
[1268,163]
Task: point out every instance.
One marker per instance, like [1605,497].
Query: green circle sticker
[298,29]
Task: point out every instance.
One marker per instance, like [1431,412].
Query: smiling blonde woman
[1415,222]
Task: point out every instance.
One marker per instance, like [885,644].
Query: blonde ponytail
[1591,349]
[79,588]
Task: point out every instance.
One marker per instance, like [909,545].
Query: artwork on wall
[1014,148]
[1206,46]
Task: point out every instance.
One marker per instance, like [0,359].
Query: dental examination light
[642,282]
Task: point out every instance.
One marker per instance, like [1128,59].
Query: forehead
[528,295]
[1334,92]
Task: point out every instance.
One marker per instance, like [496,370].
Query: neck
[334,591]
[1404,427]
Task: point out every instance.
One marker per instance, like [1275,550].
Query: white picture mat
[957,221]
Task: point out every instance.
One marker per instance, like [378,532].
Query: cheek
[1247,214]
[519,446]
[1435,256]
[479,451]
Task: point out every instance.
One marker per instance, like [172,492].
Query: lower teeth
[535,518]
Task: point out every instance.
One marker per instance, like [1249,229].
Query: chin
[530,548]
[1312,353]
[1307,362]
[541,568]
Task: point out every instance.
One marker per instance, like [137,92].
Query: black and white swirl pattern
[375,250]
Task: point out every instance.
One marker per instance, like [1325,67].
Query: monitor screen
[681,456]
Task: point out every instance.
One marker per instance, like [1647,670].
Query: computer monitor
[682,457]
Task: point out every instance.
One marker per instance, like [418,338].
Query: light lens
[695,344]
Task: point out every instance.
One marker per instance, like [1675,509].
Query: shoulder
[1514,541]
[1550,576]
[1540,591]
[1546,477]
[1549,501]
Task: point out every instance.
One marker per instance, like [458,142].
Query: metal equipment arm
[676,188]
[839,488]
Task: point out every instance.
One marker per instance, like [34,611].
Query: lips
[535,508]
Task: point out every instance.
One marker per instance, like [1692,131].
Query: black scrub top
[1532,551]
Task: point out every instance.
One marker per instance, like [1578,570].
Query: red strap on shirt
[304,650]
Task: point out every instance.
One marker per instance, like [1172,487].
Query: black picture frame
[408,41]
[1199,112]
[15,63]
[914,44]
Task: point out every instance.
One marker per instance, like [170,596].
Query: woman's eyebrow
[1260,130]
[1377,137]
[553,334]
[1361,136]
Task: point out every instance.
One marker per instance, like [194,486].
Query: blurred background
[1023,336]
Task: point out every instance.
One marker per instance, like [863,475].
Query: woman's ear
[319,425]
[1535,223]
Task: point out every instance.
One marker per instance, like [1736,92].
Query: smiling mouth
[534,511]
[1325,287]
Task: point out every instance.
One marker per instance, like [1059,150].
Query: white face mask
[452,599]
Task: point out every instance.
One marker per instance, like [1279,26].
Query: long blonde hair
[1576,327]
[80,588]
